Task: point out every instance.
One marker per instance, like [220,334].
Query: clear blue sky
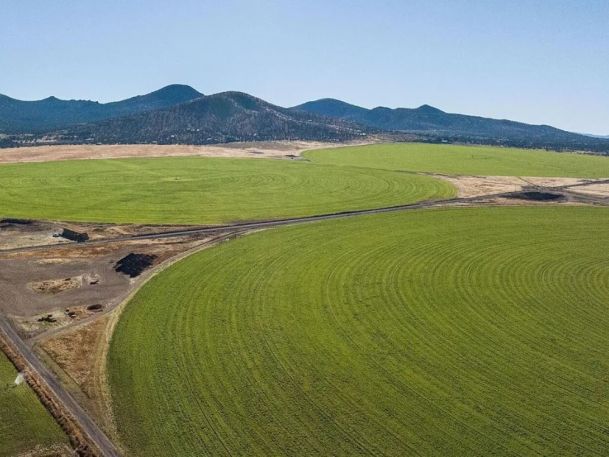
[538,61]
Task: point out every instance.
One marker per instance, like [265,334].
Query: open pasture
[465,160]
[200,190]
[442,332]
[24,423]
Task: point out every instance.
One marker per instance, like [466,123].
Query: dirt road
[97,437]
[321,217]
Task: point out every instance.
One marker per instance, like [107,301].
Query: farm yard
[470,330]
[440,332]
[25,427]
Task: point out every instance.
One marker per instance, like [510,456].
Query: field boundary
[83,445]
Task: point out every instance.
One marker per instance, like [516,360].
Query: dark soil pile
[96,307]
[133,264]
[10,220]
[537,196]
[74,236]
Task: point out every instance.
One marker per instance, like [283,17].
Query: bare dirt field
[475,186]
[263,149]
[75,355]
[64,280]
[597,190]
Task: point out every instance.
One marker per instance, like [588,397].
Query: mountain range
[218,118]
[18,116]
[428,120]
[181,114]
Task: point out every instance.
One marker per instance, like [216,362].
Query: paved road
[88,426]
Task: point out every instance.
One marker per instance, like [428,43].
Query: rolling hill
[434,122]
[180,114]
[218,118]
[18,116]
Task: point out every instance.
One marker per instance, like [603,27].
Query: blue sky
[544,61]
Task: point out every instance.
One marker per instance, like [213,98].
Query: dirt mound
[133,264]
[537,196]
[97,307]
[54,286]
[74,236]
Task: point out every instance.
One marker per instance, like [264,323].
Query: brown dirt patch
[554,182]
[55,286]
[265,149]
[37,282]
[475,186]
[76,352]
[596,190]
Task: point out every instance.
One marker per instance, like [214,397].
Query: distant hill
[434,123]
[17,116]
[596,136]
[219,118]
[180,114]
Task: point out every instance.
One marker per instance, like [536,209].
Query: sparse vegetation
[437,332]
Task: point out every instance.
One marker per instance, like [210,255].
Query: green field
[463,332]
[194,190]
[200,190]
[24,423]
[465,160]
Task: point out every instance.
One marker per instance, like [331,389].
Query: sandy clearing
[556,182]
[598,190]
[263,149]
[476,186]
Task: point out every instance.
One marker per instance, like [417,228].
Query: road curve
[88,426]
[304,219]
[259,224]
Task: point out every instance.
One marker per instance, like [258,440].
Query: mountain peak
[429,109]
[331,107]
[181,91]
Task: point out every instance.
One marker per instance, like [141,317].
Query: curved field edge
[24,423]
[201,190]
[465,160]
[444,332]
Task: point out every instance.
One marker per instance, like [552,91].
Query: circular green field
[448,332]
[200,190]
[465,160]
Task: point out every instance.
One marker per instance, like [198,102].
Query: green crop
[200,190]
[440,332]
[465,160]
